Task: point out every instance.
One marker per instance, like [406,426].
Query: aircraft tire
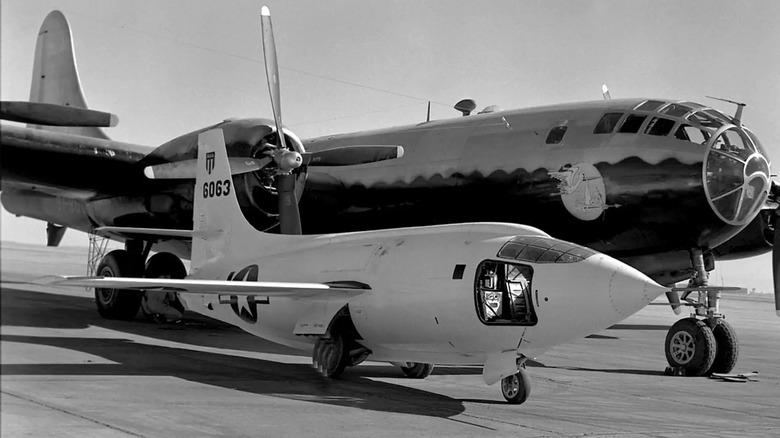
[418,370]
[727,348]
[163,306]
[164,265]
[118,303]
[331,356]
[690,345]
[516,388]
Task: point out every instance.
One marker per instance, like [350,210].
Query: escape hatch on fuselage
[503,293]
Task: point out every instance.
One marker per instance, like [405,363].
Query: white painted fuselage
[415,310]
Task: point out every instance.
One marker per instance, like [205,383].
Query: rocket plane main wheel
[330,356]
[119,303]
[418,370]
[691,345]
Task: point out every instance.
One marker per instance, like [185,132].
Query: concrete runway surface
[68,373]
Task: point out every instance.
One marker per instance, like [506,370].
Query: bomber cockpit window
[632,124]
[503,294]
[556,135]
[649,105]
[694,135]
[675,110]
[701,118]
[719,115]
[607,123]
[659,126]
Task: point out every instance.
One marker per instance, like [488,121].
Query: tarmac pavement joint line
[67,412]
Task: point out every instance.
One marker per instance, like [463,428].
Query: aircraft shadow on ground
[75,312]
[293,381]
[256,376]
[637,372]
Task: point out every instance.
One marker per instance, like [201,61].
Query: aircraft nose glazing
[736,176]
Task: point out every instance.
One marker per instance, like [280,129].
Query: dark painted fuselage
[503,167]
[566,169]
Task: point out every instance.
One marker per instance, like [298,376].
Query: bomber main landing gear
[119,303]
[704,343]
[124,304]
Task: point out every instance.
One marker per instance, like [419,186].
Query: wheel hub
[106,295]
[510,386]
[683,347]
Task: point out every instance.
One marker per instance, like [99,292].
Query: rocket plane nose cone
[630,290]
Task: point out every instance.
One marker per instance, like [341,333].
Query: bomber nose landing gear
[703,343]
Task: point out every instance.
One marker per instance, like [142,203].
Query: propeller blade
[187,169]
[50,114]
[289,217]
[352,155]
[272,71]
[776,258]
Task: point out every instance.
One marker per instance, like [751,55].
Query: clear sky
[170,67]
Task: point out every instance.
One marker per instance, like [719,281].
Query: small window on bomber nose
[556,135]
[607,123]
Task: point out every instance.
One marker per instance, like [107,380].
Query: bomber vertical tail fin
[55,77]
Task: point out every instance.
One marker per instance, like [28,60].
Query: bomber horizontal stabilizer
[50,114]
[213,287]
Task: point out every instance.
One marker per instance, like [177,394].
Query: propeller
[287,161]
[272,70]
[283,160]
[774,196]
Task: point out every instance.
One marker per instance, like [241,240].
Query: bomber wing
[69,165]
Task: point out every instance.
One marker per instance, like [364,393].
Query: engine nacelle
[252,138]
[753,240]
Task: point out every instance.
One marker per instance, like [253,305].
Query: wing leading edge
[214,287]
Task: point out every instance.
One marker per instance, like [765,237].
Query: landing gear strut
[704,343]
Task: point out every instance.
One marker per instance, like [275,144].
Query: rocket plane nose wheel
[516,388]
